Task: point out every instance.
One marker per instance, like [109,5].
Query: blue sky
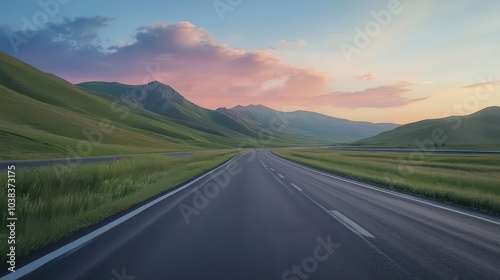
[284,54]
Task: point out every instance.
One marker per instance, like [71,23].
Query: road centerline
[295,186]
[380,189]
[351,223]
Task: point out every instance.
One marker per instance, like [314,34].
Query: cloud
[487,84]
[377,97]
[79,31]
[426,83]
[182,55]
[189,59]
[367,77]
[292,45]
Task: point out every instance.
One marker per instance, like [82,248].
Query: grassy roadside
[468,180]
[51,207]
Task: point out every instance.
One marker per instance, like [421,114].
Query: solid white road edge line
[30,267]
[389,192]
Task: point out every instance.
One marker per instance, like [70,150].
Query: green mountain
[43,116]
[478,130]
[164,100]
[322,128]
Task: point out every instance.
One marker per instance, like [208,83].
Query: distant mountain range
[478,130]
[298,128]
[323,128]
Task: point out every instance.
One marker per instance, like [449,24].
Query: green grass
[468,180]
[51,207]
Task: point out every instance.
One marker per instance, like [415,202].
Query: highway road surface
[261,217]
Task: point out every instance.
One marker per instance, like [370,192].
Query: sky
[396,61]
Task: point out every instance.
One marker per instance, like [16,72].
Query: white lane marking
[354,230]
[271,169]
[391,193]
[295,186]
[86,238]
[285,185]
[281,176]
[349,222]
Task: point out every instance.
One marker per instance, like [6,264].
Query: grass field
[468,180]
[51,207]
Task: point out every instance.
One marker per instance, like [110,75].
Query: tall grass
[469,180]
[51,207]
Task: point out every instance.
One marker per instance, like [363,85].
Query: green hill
[43,116]
[164,100]
[478,130]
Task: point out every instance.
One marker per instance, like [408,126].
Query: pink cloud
[377,97]
[190,60]
[367,77]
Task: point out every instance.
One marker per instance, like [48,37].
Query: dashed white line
[295,186]
[281,176]
[378,189]
[271,169]
[344,220]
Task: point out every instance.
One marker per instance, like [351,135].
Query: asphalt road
[261,217]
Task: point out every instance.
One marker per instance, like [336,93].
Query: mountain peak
[251,106]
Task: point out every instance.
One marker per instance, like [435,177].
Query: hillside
[478,130]
[164,100]
[43,116]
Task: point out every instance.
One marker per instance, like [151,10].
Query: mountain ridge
[479,129]
[250,120]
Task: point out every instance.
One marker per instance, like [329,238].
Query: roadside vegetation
[468,180]
[50,207]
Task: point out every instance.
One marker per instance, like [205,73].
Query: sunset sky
[378,61]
